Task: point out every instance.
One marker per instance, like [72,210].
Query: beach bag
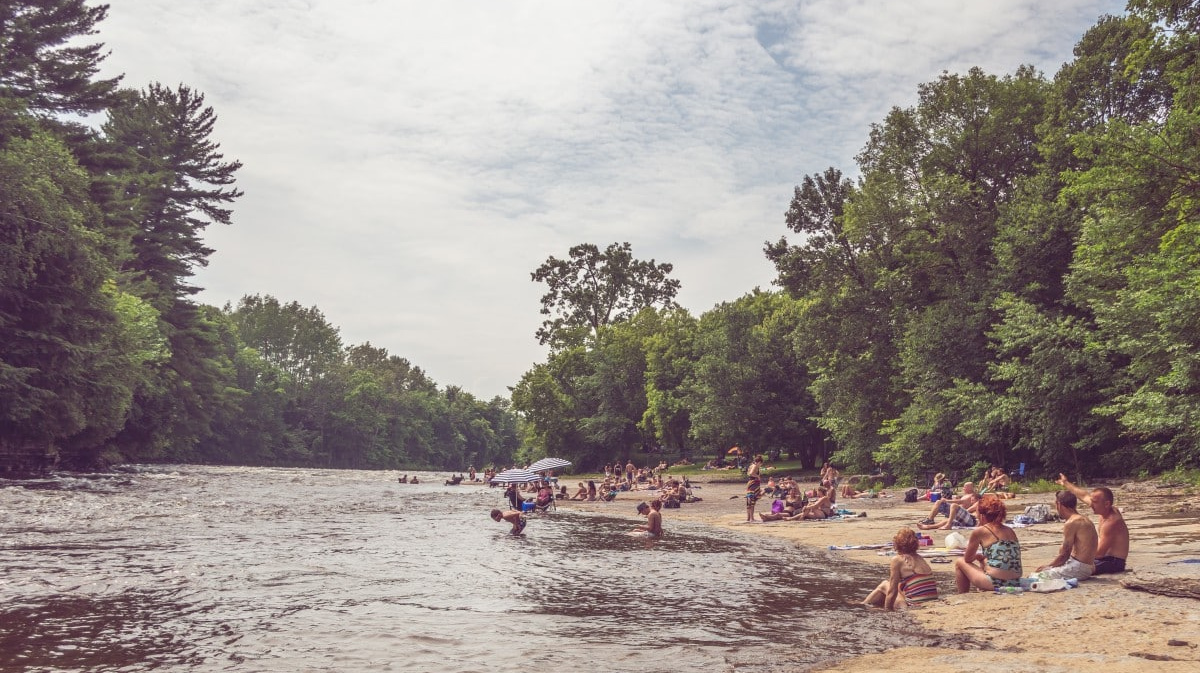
[1039,513]
[910,495]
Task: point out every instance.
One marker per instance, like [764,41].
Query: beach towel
[850,547]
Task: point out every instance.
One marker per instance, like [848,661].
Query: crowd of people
[670,492]
[991,559]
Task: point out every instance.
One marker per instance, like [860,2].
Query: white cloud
[407,165]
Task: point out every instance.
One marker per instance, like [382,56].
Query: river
[192,568]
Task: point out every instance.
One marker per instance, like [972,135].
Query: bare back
[1079,535]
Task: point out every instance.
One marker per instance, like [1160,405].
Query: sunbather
[581,493]
[992,558]
[959,511]
[821,508]
[792,506]
[910,579]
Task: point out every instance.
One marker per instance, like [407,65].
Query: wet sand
[1101,626]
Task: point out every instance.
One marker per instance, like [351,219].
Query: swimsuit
[1109,564]
[1003,555]
[753,491]
[520,526]
[964,518]
[919,588]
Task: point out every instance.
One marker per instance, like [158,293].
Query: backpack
[1039,513]
[910,495]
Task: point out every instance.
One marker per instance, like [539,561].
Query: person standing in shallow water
[653,514]
[512,516]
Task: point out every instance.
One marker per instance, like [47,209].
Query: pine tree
[40,63]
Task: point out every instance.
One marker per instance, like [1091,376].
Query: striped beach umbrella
[516,476]
[549,464]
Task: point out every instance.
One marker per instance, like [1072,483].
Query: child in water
[512,516]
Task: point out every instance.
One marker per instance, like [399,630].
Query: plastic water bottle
[1010,590]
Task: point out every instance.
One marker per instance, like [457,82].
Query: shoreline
[1100,625]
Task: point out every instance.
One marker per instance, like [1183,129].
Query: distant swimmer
[512,516]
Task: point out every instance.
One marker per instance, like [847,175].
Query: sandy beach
[1104,625]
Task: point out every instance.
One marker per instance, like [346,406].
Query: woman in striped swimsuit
[910,581]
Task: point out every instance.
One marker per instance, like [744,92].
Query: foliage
[43,63]
[591,289]
[103,353]
[1040,485]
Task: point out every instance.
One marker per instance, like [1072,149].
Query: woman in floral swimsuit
[992,558]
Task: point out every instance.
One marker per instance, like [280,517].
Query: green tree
[591,289]
[72,344]
[178,182]
[43,62]
[748,387]
[670,356]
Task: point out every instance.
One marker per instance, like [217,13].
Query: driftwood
[1178,587]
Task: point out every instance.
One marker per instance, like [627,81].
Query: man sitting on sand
[996,479]
[1077,555]
[958,511]
[1113,546]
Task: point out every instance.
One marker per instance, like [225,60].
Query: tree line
[106,356]
[1013,277]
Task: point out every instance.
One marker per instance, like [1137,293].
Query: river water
[187,568]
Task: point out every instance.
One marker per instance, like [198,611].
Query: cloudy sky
[409,164]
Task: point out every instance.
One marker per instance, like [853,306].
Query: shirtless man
[653,514]
[997,480]
[1113,547]
[512,516]
[1077,555]
[957,510]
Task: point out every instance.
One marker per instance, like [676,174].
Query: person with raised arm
[1113,546]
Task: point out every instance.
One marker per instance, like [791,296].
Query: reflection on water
[198,568]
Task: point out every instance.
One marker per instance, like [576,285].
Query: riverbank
[1103,625]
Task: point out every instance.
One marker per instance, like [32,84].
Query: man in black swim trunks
[1113,548]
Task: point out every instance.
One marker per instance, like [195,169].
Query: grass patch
[1036,486]
[1181,477]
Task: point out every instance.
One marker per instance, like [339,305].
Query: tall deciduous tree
[591,289]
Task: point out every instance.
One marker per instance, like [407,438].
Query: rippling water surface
[244,569]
